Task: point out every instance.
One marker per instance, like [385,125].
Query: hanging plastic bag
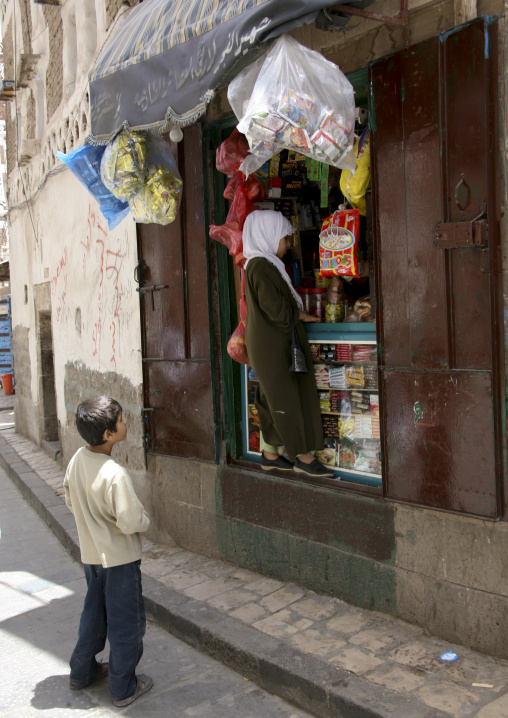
[237,348]
[230,237]
[85,163]
[338,244]
[123,164]
[354,184]
[299,101]
[158,199]
[231,153]
[254,188]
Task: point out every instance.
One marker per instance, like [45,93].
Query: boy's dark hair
[94,416]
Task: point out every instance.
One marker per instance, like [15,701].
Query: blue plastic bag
[85,163]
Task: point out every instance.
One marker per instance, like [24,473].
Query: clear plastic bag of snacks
[298,100]
[124,162]
[338,244]
[158,199]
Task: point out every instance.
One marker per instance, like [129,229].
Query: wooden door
[175,320]
[437,208]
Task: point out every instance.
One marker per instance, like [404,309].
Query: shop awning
[166,59]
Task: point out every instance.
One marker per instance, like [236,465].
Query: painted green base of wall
[274,526]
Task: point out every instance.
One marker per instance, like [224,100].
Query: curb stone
[291,674]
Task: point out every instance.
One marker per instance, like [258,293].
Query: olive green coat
[287,403]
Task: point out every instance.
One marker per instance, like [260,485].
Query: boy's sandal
[101,671]
[143,685]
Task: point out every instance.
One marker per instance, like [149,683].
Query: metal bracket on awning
[451,235]
[402,19]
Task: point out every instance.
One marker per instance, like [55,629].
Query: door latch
[152,289]
[450,235]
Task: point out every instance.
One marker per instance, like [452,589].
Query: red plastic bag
[254,188]
[237,349]
[241,207]
[254,441]
[231,153]
[231,237]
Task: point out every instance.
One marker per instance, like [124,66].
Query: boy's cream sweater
[109,515]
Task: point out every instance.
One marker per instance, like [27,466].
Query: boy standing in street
[110,520]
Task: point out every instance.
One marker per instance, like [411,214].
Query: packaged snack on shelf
[328,455]
[340,402]
[363,308]
[374,404]
[338,244]
[367,459]
[347,451]
[344,352]
[359,402]
[362,352]
[324,400]
[347,427]
[315,350]
[124,163]
[354,376]
[330,425]
[310,96]
[363,427]
[322,374]
[337,377]
[370,374]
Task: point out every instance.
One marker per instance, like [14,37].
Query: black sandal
[278,464]
[315,468]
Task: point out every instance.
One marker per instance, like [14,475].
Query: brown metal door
[435,180]
[175,320]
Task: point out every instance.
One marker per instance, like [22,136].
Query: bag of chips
[338,244]
[297,100]
[124,163]
[85,163]
[354,184]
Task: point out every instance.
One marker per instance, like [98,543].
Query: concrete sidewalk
[329,658]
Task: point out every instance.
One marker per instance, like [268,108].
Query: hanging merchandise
[354,184]
[338,244]
[237,348]
[85,163]
[158,199]
[231,153]
[298,100]
[243,192]
[124,162]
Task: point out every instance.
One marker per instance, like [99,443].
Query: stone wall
[54,73]
[10,124]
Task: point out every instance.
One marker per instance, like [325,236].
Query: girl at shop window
[287,402]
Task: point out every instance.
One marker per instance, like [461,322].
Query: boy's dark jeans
[114,608]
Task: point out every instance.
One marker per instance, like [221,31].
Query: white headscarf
[262,232]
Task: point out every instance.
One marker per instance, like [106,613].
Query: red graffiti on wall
[111,286]
[59,285]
